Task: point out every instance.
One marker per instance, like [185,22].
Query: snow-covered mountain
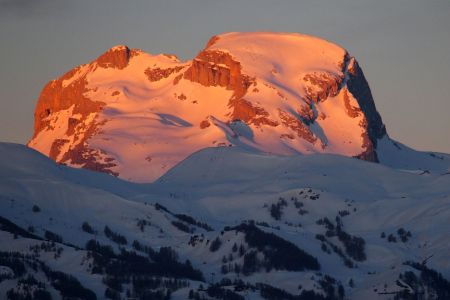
[232,208]
[319,226]
[136,115]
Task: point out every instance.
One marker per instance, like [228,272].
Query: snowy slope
[231,186]
[399,156]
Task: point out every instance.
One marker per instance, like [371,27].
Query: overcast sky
[403,47]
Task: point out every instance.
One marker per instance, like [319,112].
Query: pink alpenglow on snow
[135,115]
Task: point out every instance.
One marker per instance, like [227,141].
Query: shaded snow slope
[21,163]
[399,156]
[287,196]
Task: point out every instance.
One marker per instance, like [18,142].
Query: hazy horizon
[402,46]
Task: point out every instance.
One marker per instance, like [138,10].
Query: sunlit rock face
[135,115]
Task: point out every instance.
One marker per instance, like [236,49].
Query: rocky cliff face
[68,93]
[217,68]
[135,115]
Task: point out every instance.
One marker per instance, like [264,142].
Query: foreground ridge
[318,226]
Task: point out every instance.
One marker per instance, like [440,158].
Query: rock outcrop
[116,57]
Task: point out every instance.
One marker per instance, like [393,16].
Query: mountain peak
[119,47]
[116,57]
[136,116]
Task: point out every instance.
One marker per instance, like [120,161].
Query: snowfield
[233,214]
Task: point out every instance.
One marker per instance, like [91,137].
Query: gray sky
[403,47]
